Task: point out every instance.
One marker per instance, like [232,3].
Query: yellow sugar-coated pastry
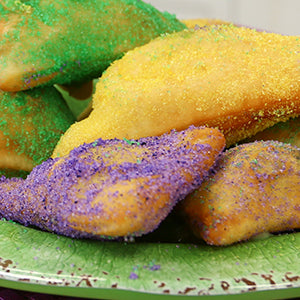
[196,23]
[233,78]
[60,42]
[254,189]
[30,127]
[112,188]
[285,132]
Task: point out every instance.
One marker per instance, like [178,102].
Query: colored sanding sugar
[81,195]
[32,123]
[75,40]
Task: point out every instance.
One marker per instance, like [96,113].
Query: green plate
[38,261]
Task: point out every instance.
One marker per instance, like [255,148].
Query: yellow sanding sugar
[234,78]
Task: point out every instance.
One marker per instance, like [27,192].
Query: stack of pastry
[114,170]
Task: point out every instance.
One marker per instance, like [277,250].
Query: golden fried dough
[113,188]
[59,42]
[233,78]
[254,189]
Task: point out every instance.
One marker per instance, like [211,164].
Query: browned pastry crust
[255,189]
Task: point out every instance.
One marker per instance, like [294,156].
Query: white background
[281,16]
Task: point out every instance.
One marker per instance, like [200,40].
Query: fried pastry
[112,188]
[254,189]
[31,125]
[233,78]
[47,42]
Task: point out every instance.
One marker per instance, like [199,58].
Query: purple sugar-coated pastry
[61,187]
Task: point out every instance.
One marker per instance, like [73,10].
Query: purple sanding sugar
[62,187]
[133,276]
[155,268]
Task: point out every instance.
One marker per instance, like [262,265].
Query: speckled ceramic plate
[39,261]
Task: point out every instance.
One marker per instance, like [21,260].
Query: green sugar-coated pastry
[46,42]
[31,123]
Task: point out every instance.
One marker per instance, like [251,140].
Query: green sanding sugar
[77,40]
[33,121]
[9,173]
